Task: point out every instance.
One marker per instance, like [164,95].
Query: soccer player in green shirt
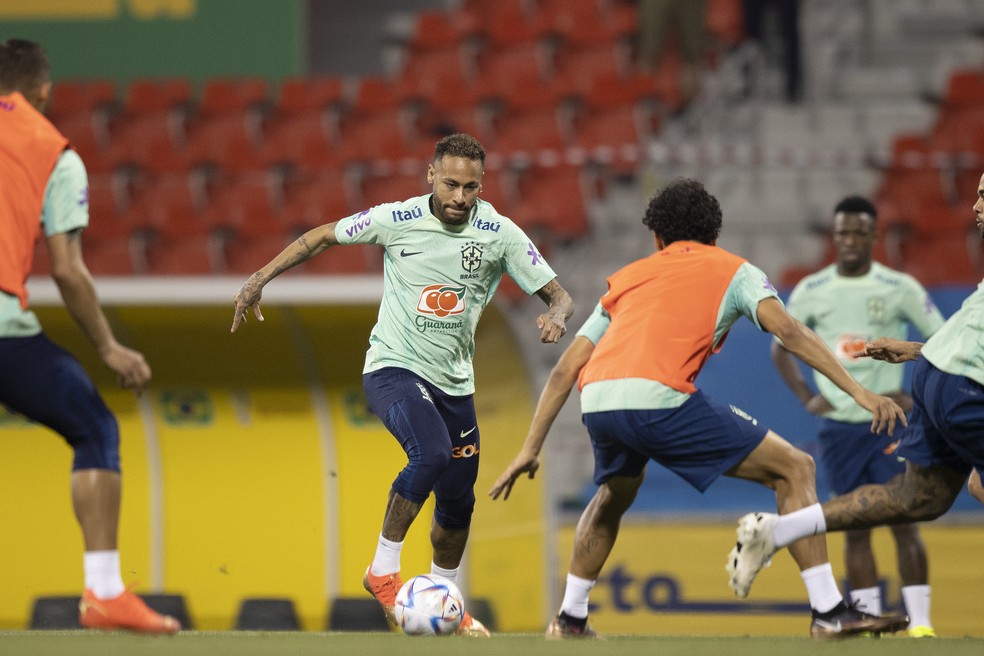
[847,304]
[943,443]
[444,254]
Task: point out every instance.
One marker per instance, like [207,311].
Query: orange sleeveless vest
[664,311]
[29,149]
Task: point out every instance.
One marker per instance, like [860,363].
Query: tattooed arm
[304,248]
[560,307]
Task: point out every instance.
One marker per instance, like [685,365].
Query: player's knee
[802,468]
[99,446]
[455,513]
[431,460]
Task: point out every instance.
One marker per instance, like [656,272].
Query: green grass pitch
[241,643]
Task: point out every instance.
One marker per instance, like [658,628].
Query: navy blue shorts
[853,456]
[947,422]
[698,441]
[46,384]
[440,436]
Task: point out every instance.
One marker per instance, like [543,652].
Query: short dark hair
[24,66]
[684,211]
[856,205]
[460,145]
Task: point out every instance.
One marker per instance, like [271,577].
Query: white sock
[868,600]
[801,523]
[916,598]
[387,560]
[102,573]
[821,587]
[449,574]
[575,601]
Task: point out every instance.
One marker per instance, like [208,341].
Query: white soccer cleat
[752,551]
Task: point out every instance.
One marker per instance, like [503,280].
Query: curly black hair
[460,145]
[684,211]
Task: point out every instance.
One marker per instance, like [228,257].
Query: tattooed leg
[400,514]
[598,526]
[921,494]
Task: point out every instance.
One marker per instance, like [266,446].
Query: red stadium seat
[615,137]
[313,198]
[232,142]
[169,255]
[306,95]
[70,97]
[233,95]
[531,133]
[156,95]
[302,140]
[724,21]
[552,202]
[88,132]
[244,204]
[378,189]
[153,141]
[965,88]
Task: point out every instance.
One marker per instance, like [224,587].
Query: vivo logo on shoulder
[7,106]
[406,215]
[359,225]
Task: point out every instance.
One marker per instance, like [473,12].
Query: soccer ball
[429,605]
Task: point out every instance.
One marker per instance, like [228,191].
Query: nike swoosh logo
[468,432]
[404,253]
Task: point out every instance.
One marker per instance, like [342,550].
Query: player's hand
[886,413]
[818,405]
[551,328]
[248,297]
[523,463]
[903,399]
[130,367]
[892,350]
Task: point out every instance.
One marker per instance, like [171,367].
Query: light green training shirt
[958,347]
[749,287]
[66,208]
[847,311]
[437,280]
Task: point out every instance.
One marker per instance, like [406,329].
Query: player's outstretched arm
[78,291]
[303,248]
[560,307]
[888,349]
[788,368]
[552,398]
[808,347]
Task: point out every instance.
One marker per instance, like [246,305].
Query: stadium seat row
[924,200]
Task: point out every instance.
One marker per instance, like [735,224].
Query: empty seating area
[927,191]
[217,176]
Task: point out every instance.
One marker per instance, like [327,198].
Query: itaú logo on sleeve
[442,300]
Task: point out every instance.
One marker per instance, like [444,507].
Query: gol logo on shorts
[442,300]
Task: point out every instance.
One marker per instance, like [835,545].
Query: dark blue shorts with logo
[853,456]
[440,436]
[698,441]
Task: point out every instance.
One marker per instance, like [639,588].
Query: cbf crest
[471,258]
[876,309]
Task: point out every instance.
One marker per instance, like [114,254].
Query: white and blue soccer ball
[429,605]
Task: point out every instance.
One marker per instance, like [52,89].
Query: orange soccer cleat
[127,612]
[471,627]
[383,589]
